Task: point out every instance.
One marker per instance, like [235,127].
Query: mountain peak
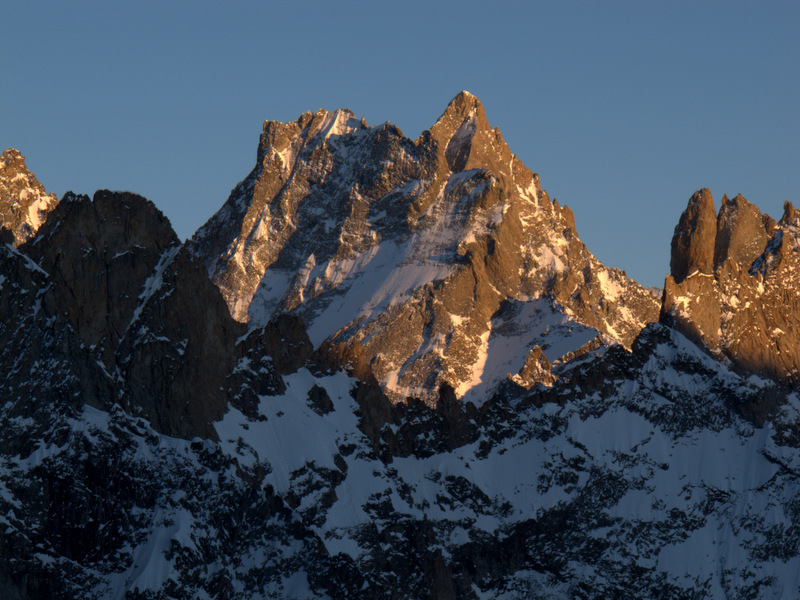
[463,105]
[331,122]
[791,216]
[24,204]
[420,253]
[462,108]
[466,139]
[742,232]
[12,156]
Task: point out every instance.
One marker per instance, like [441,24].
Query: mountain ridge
[154,447]
[733,284]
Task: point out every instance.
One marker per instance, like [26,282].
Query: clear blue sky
[624,108]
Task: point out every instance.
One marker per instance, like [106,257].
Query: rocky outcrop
[748,306]
[742,232]
[24,205]
[536,370]
[411,250]
[694,238]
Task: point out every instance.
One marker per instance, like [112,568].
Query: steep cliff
[734,284]
[442,259]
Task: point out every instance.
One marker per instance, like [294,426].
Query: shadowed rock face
[45,367]
[141,306]
[99,253]
[411,249]
[24,205]
[748,306]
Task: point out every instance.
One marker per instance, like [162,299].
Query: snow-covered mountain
[155,447]
[425,256]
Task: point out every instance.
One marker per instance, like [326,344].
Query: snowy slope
[648,482]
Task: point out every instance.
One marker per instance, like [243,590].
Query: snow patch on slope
[515,330]
[153,283]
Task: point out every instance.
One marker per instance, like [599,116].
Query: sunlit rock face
[693,241]
[441,259]
[747,305]
[24,205]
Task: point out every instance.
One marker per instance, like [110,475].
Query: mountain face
[110,276]
[23,201]
[734,284]
[425,257]
[155,447]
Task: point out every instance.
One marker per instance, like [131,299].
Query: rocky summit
[24,204]
[389,368]
[441,260]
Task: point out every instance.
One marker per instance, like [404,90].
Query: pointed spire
[694,237]
[458,130]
